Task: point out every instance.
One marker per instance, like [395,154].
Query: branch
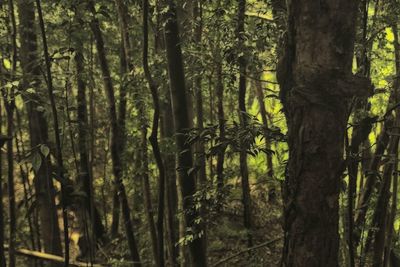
[50,257]
[247,250]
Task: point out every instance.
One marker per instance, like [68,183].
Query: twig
[247,250]
[50,257]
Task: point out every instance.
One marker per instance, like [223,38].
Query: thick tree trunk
[182,123]
[38,128]
[316,82]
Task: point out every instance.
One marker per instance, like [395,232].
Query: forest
[199,133]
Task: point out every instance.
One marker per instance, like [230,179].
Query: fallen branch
[50,257]
[247,250]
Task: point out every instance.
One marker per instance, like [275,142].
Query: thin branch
[247,250]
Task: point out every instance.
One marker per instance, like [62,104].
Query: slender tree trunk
[154,136]
[59,158]
[3,262]
[392,215]
[85,177]
[197,87]
[25,183]
[167,134]
[379,220]
[264,118]
[182,123]
[10,107]
[38,128]
[219,88]
[315,92]
[381,212]
[361,129]
[171,186]
[221,127]
[115,153]
[244,171]
[126,67]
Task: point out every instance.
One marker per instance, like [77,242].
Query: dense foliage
[155,132]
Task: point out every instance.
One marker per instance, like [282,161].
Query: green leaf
[36,161]
[44,150]
[7,63]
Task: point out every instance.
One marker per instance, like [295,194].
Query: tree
[38,130]
[115,152]
[182,123]
[315,93]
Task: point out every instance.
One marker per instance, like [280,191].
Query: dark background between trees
[199,133]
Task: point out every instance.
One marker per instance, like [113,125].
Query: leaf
[30,91]
[7,63]
[44,150]
[193,170]
[40,109]
[36,161]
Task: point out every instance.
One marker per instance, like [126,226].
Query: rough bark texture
[38,128]
[316,80]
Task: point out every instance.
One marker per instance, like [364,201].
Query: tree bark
[316,84]
[58,149]
[244,172]
[85,174]
[115,153]
[38,128]
[182,123]
[381,211]
[154,136]
[10,107]
[3,262]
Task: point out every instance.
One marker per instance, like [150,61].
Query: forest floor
[227,236]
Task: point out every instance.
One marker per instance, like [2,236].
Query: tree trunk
[219,88]
[264,118]
[38,128]
[316,85]
[244,172]
[10,107]
[85,177]
[171,186]
[2,254]
[115,153]
[381,211]
[58,149]
[154,136]
[182,123]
